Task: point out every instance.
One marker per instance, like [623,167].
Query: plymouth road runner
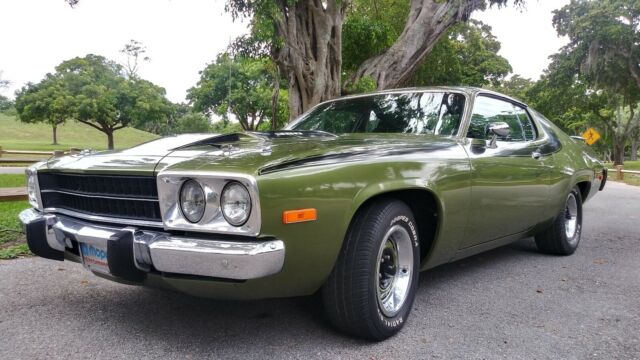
[353,199]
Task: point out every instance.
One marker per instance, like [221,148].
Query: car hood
[249,153]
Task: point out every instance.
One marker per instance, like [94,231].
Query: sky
[527,35]
[182,36]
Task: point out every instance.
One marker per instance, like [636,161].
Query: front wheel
[563,236]
[371,289]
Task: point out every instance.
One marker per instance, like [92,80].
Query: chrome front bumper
[154,250]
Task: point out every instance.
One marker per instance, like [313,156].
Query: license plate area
[94,257]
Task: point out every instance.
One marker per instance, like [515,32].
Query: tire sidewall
[569,243]
[384,324]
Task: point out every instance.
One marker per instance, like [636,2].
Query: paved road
[510,303]
[11,170]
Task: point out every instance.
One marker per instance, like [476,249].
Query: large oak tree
[308,45]
[105,99]
[94,91]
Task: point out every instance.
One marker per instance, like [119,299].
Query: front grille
[129,197]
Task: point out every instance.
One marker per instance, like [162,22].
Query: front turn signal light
[296,216]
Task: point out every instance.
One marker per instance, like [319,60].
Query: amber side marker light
[296,216]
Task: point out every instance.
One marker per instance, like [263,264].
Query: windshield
[437,113]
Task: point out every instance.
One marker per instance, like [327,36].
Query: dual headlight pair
[235,202]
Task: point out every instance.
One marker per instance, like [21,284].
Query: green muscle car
[352,199]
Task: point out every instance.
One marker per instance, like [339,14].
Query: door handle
[536,155]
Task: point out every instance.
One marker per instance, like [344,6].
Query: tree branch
[427,22]
[633,69]
[101,129]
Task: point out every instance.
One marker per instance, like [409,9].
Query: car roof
[469,90]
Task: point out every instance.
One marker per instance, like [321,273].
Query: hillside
[15,135]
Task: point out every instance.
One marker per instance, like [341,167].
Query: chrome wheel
[395,266]
[571,218]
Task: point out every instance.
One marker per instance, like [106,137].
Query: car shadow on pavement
[493,259]
[195,324]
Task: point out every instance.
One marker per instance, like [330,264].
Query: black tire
[555,240]
[351,294]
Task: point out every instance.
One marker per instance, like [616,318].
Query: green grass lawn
[12,241]
[632,165]
[12,180]
[628,179]
[15,135]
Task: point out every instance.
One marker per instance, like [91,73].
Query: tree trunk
[311,55]
[428,20]
[244,122]
[55,134]
[618,152]
[109,139]
[634,149]
[274,99]
[607,155]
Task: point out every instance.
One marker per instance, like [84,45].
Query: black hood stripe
[334,158]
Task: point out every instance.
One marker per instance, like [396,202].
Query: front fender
[338,190]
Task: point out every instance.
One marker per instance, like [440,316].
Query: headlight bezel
[213,221]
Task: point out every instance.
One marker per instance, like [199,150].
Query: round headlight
[236,203]
[192,201]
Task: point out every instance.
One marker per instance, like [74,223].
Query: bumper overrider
[131,253]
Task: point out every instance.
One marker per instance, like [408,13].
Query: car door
[510,180]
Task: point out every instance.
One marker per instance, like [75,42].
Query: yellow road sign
[591,136]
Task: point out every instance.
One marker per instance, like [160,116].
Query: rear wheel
[370,291]
[563,236]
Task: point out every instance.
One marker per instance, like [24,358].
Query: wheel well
[424,207]
[584,187]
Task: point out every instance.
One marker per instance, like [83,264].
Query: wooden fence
[620,171]
[23,155]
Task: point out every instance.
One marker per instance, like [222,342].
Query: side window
[489,110]
[449,115]
[528,129]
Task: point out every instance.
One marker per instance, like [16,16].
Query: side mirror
[478,146]
[497,129]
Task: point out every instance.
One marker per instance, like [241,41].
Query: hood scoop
[221,141]
[216,141]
